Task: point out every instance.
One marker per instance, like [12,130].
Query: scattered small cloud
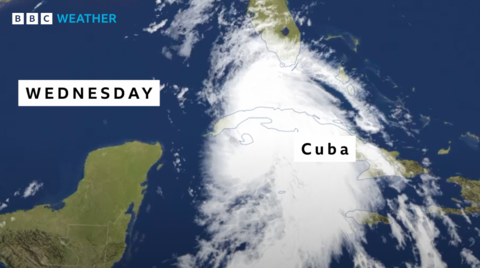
[469,258]
[167,53]
[37,6]
[32,189]
[181,95]
[452,230]
[184,25]
[148,208]
[160,191]
[153,27]
[178,160]
[426,162]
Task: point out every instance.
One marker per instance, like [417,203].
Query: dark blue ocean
[431,46]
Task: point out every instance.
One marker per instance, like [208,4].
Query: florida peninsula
[90,229]
[273,20]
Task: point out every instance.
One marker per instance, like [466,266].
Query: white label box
[31,18]
[89,93]
[314,148]
[46,18]
[18,18]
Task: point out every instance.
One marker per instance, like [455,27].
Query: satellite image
[211,177]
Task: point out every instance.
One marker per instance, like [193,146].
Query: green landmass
[159,166]
[445,151]
[348,38]
[367,217]
[471,140]
[473,209]
[3,2]
[275,13]
[473,136]
[470,188]
[425,120]
[342,75]
[410,168]
[374,218]
[351,90]
[470,192]
[466,210]
[457,200]
[270,18]
[90,230]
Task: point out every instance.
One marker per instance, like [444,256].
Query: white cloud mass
[32,189]
[469,258]
[305,226]
[183,25]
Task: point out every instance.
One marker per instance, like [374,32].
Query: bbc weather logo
[47,18]
[32,18]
